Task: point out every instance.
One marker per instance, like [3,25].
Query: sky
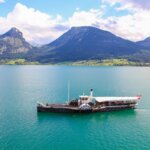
[43,21]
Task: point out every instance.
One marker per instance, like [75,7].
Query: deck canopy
[110,99]
[84,96]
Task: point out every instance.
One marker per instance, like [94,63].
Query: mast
[83,93]
[68,91]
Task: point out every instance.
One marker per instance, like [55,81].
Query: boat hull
[78,110]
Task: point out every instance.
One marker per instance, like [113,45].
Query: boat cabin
[84,99]
[115,101]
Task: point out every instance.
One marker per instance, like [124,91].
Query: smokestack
[91,93]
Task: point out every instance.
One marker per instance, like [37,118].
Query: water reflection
[99,116]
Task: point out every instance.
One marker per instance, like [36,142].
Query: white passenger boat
[90,103]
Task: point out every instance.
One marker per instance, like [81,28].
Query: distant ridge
[77,44]
[145,43]
[84,43]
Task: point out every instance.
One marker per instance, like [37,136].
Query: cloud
[81,18]
[140,4]
[2,1]
[41,28]
[133,26]
[37,27]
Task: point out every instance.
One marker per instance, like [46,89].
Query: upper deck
[114,99]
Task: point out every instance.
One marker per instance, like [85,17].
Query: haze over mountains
[79,43]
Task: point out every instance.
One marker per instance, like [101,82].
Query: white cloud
[41,28]
[37,27]
[133,27]
[140,4]
[81,18]
[2,1]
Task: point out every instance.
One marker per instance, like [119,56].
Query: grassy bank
[106,62]
[17,62]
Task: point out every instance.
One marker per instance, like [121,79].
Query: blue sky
[64,7]
[43,21]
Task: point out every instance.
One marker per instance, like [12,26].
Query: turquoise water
[22,128]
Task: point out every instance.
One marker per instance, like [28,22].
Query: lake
[22,128]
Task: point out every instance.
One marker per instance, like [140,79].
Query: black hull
[77,110]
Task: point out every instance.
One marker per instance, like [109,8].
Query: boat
[89,104]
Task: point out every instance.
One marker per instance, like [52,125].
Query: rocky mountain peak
[13,32]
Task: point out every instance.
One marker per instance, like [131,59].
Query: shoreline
[74,65]
[99,63]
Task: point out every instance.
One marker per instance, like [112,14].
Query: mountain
[77,44]
[145,43]
[12,42]
[84,43]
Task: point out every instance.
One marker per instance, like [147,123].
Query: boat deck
[60,106]
[67,108]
